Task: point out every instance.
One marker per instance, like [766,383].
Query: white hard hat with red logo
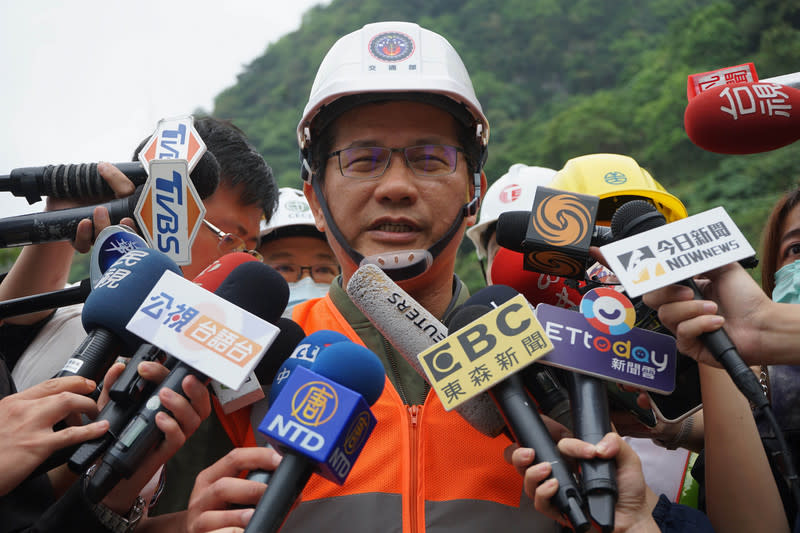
[513,191]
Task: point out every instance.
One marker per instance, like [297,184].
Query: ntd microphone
[746,118]
[321,419]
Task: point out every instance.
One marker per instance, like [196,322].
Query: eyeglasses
[229,243]
[425,160]
[321,272]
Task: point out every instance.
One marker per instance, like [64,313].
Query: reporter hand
[26,425]
[216,488]
[635,501]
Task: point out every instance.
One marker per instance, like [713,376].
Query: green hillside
[561,79]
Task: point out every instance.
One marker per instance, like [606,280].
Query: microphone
[108,308]
[289,337]
[46,300]
[745,118]
[111,244]
[412,329]
[322,420]
[252,286]
[523,419]
[83,181]
[128,392]
[556,234]
[639,216]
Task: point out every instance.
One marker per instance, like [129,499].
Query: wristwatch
[113,521]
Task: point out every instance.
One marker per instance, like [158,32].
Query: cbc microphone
[322,420]
[83,181]
[639,216]
[252,286]
[745,118]
[523,419]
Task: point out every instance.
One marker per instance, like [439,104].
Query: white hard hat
[392,57]
[513,191]
[293,210]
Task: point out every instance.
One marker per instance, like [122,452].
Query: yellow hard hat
[615,179]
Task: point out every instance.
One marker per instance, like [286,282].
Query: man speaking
[393,140]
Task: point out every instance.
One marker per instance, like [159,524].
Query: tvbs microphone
[746,118]
[523,419]
[639,216]
[556,234]
[83,181]
[108,308]
[321,419]
[252,286]
[411,329]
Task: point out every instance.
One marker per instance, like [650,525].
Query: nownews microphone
[555,235]
[523,419]
[83,181]
[252,286]
[412,329]
[745,118]
[639,216]
[108,308]
[322,420]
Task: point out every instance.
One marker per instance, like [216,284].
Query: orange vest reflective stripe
[439,465]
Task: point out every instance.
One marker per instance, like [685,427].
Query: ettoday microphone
[745,118]
[83,181]
[321,419]
[411,329]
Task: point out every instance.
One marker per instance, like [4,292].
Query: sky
[85,81]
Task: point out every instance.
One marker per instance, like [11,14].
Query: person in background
[292,245]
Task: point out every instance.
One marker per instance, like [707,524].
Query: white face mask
[305,289]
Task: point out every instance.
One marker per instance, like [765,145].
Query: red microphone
[215,273]
[536,287]
[745,118]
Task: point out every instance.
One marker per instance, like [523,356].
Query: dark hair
[239,163]
[322,136]
[771,239]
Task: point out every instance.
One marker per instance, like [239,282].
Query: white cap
[293,210]
[391,57]
[513,191]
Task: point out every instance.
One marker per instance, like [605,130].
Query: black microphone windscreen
[257,288]
[282,347]
[635,217]
[205,175]
[512,226]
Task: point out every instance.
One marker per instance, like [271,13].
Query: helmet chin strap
[401,265]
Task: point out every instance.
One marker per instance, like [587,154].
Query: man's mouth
[394,228]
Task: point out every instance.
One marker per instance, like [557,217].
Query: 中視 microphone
[253,287]
[108,308]
[321,420]
[745,118]
[639,216]
[411,329]
[523,419]
[83,181]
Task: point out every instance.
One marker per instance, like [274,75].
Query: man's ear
[316,209]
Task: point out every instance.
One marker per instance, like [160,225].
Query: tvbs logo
[475,341]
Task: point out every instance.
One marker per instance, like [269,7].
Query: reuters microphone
[321,420]
[745,118]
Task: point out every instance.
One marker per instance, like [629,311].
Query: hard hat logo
[615,178]
[510,193]
[391,47]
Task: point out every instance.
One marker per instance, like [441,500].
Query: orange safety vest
[422,467]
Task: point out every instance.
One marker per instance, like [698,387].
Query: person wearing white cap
[292,245]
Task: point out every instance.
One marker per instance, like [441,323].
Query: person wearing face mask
[292,245]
